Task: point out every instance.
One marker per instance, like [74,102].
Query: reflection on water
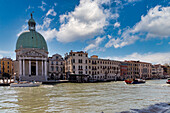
[88,97]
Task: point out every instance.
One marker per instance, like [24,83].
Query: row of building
[79,67]
[32,63]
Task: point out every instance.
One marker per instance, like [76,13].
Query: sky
[111,29]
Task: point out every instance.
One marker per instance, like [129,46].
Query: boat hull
[168,82]
[134,81]
[25,85]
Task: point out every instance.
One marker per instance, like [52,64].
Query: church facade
[31,55]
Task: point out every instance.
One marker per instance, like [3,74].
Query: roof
[31,39]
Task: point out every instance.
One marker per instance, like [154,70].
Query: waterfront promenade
[109,97]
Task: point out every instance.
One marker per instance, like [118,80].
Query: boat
[134,81]
[26,84]
[168,81]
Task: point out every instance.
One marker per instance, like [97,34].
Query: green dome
[31,39]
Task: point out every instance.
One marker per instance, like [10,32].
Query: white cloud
[42,6]
[117,24]
[95,44]
[24,28]
[44,29]
[48,34]
[132,1]
[46,23]
[154,58]
[29,7]
[168,42]
[126,39]
[154,24]
[86,21]
[7,54]
[55,4]
[51,12]
[119,32]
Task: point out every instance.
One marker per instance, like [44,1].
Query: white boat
[26,84]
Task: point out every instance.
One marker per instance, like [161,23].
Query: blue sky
[114,29]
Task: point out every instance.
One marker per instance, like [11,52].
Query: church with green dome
[31,55]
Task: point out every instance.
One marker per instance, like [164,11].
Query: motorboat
[134,81]
[168,81]
[25,84]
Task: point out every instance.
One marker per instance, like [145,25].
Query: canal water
[109,97]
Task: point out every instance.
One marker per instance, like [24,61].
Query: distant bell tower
[31,23]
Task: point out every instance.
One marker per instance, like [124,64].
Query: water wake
[157,108]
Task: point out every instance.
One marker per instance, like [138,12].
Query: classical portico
[39,69]
[31,54]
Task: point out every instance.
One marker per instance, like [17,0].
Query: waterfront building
[133,69]
[137,69]
[145,70]
[31,55]
[78,63]
[103,69]
[7,66]
[124,70]
[56,67]
[166,69]
[157,71]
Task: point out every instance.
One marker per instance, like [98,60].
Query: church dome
[31,38]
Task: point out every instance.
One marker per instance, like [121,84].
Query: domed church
[31,54]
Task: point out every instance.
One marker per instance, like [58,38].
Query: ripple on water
[88,97]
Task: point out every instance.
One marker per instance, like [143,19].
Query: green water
[108,97]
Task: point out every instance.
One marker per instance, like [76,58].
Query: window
[89,67]
[86,67]
[73,66]
[80,61]
[73,54]
[56,68]
[86,61]
[73,60]
[56,63]
[56,57]
[52,68]
[8,62]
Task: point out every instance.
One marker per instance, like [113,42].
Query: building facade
[56,67]
[157,71]
[76,63]
[98,69]
[31,55]
[124,70]
[7,66]
[137,69]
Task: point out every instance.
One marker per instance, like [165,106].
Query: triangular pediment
[33,53]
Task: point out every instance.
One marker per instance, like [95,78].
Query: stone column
[20,67]
[29,67]
[23,67]
[45,73]
[36,68]
[42,68]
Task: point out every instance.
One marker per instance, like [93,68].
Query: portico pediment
[33,53]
